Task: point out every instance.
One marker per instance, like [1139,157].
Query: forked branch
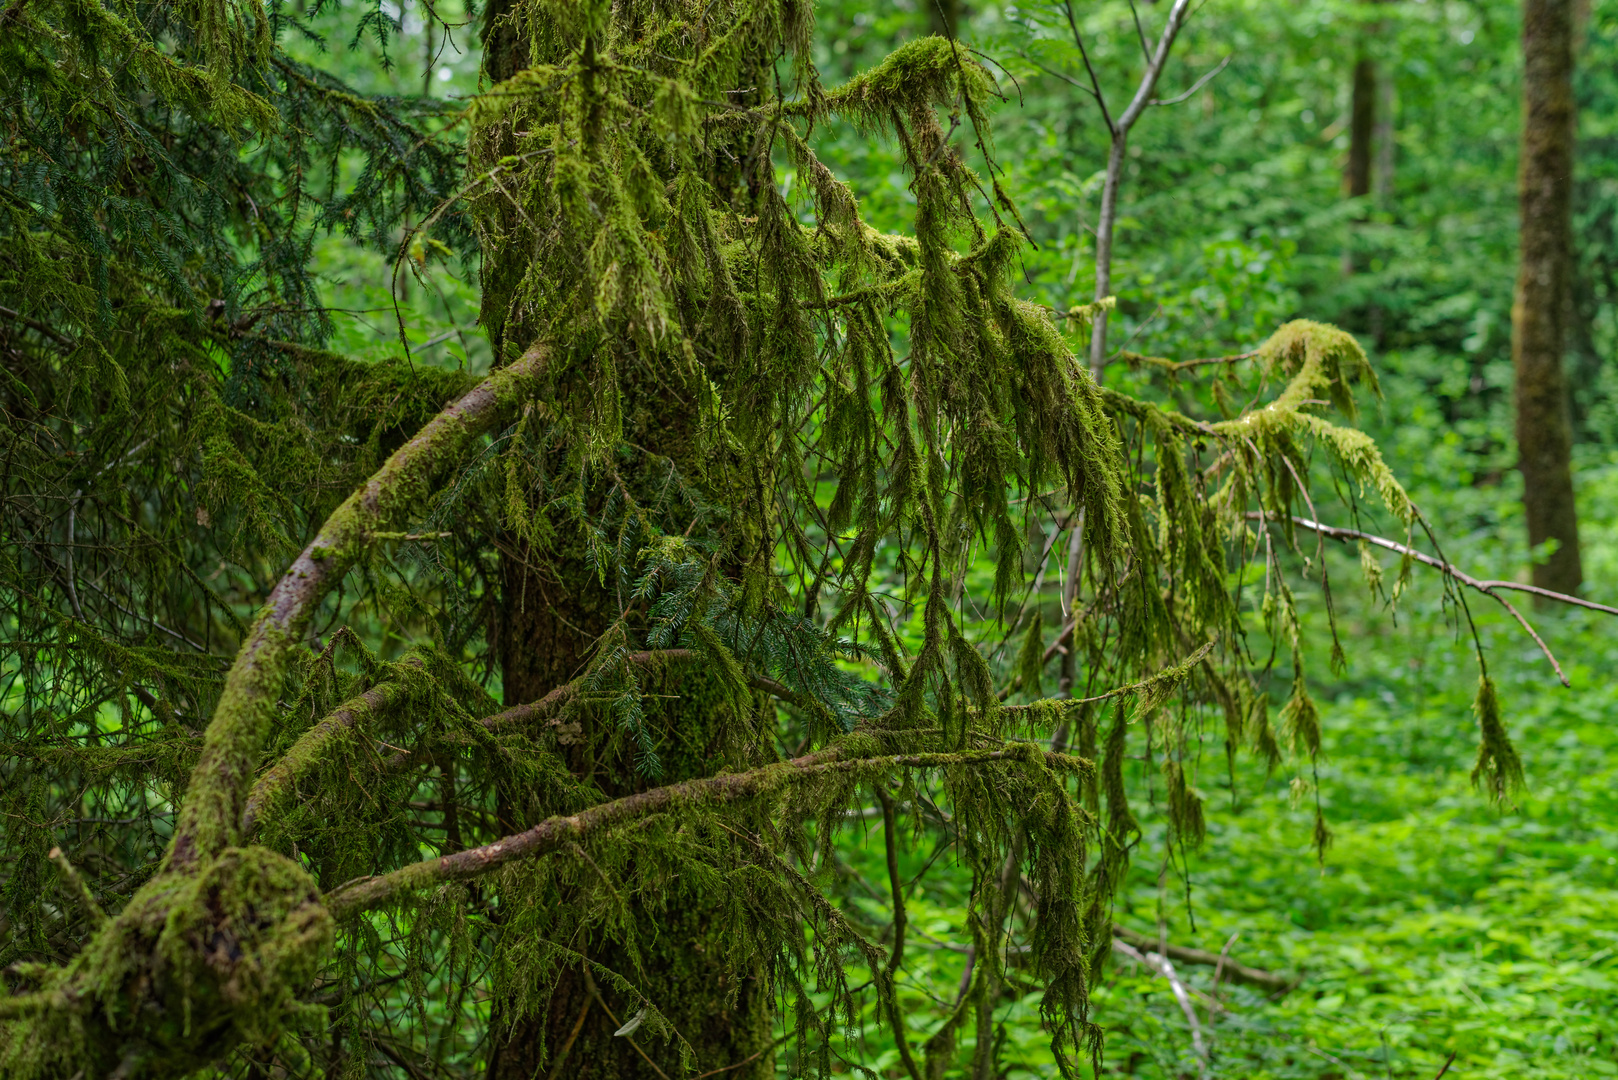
[1119,130]
[216,799]
[1487,587]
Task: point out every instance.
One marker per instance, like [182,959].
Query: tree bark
[1361,129]
[1539,307]
[1386,149]
[1361,136]
[553,611]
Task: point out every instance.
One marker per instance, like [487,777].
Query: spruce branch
[217,796]
[559,832]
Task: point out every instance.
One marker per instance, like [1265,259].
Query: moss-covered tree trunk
[1539,309]
[554,611]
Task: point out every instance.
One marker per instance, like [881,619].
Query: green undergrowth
[1436,925]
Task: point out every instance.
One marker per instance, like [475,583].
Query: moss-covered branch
[217,798]
[558,832]
[306,752]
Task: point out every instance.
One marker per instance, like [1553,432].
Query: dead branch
[1224,966]
[1164,967]
[1486,587]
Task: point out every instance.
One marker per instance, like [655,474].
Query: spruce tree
[735,526]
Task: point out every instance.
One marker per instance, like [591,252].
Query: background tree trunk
[944,16]
[1361,137]
[1385,147]
[1361,129]
[1539,308]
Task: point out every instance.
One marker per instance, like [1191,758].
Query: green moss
[194,965]
[645,275]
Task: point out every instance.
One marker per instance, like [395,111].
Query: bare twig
[1084,54]
[1115,166]
[1486,587]
[1162,965]
[1198,85]
[1070,600]
[1070,80]
[1334,1059]
[1224,955]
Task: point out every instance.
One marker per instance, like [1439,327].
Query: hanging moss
[1498,770]
[684,353]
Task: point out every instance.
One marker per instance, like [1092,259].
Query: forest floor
[1437,926]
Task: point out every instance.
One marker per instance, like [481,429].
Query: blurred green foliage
[1436,924]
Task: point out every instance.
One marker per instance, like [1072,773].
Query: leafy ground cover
[1436,925]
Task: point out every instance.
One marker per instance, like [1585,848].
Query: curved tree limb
[217,795]
[558,832]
